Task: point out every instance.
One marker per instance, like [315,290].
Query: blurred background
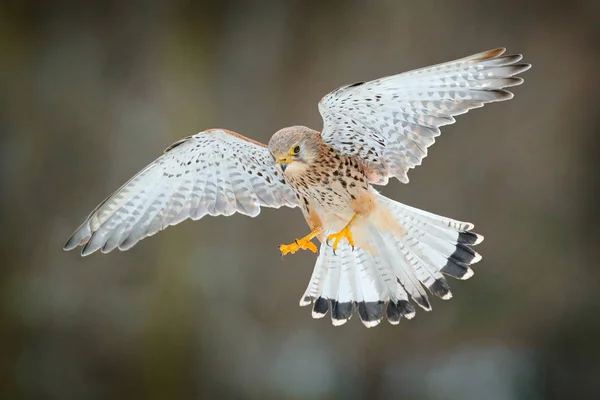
[93,91]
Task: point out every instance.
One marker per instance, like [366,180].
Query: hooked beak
[283,163]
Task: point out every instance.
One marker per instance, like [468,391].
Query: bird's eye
[296,150]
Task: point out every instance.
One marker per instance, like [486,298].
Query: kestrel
[374,252]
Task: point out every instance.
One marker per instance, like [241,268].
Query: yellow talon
[336,237]
[344,233]
[300,244]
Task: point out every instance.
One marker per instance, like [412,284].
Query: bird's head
[295,149]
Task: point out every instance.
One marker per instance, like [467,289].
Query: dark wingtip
[320,308]
[370,312]
[399,309]
[457,269]
[469,238]
[441,289]
[465,254]
[340,312]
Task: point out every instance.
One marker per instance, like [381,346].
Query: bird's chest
[331,185]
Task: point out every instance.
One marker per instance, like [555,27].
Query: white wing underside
[215,172]
[390,122]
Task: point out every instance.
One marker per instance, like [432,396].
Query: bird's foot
[337,237]
[299,244]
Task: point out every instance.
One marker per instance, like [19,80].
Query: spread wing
[390,122]
[215,172]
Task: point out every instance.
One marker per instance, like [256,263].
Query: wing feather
[390,122]
[215,172]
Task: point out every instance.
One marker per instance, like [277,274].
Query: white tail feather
[377,278]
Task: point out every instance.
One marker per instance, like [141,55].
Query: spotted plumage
[330,181]
[375,254]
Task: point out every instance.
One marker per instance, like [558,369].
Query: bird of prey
[375,253]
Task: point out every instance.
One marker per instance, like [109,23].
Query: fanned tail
[377,279]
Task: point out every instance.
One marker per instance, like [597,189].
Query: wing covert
[390,122]
[215,172]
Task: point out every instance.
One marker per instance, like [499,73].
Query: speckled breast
[332,184]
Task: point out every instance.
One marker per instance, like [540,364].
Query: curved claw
[337,237]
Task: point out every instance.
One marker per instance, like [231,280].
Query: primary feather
[390,122]
[214,172]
